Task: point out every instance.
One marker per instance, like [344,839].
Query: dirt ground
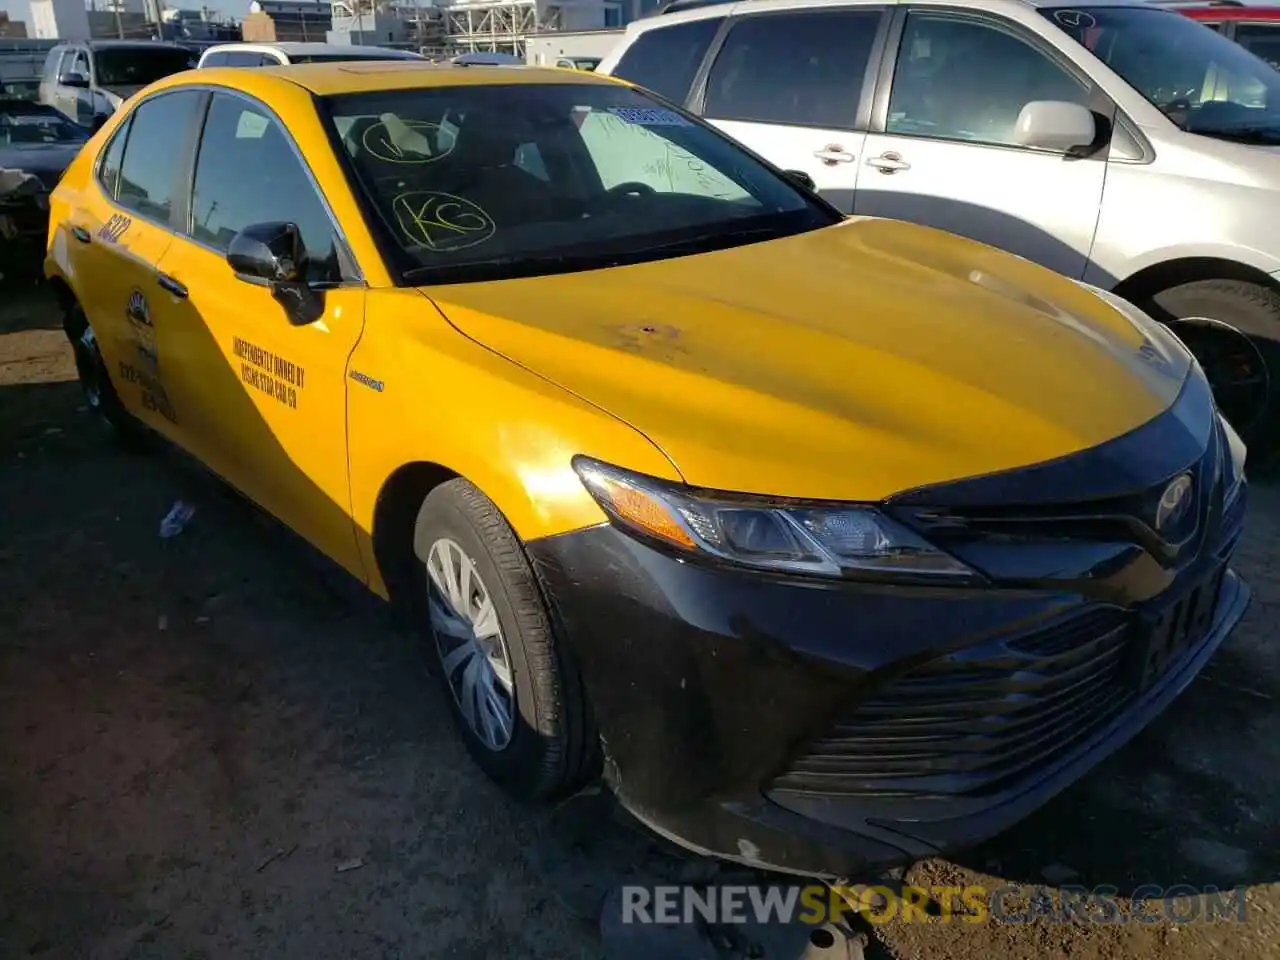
[207,750]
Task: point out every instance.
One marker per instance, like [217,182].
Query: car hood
[847,363]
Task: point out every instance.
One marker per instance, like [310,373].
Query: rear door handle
[172,285]
[888,163]
[81,234]
[834,153]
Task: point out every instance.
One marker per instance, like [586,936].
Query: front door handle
[81,234]
[173,286]
[888,163]
[834,153]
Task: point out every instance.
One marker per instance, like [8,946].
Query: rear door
[120,226]
[790,85]
[941,150]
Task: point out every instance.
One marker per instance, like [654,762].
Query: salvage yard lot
[206,750]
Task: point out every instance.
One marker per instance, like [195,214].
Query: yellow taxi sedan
[831,543]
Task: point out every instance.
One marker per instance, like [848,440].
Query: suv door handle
[834,153]
[888,162]
[172,285]
[81,234]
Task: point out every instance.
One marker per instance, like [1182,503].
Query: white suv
[278,54]
[1119,143]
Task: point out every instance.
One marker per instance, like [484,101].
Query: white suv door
[942,150]
[789,85]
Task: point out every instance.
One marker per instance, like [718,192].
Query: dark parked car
[87,81]
[37,143]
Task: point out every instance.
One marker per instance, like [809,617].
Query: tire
[553,748]
[99,392]
[1242,359]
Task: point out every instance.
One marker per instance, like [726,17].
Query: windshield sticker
[408,141]
[1076,19]
[251,126]
[650,116]
[441,221]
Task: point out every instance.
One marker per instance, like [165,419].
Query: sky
[18,9]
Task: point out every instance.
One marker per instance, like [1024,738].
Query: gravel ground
[208,750]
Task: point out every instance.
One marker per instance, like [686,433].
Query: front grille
[975,722]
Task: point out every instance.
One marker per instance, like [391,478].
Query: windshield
[22,123]
[343,57]
[138,66]
[487,181]
[1202,81]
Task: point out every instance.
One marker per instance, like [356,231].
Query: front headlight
[765,533]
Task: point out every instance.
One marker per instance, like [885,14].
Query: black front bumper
[832,728]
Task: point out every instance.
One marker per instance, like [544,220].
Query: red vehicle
[1256,28]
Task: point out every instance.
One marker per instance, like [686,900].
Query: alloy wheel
[473,651]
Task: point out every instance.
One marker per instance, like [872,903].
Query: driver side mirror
[801,179]
[1055,125]
[78,80]
[273,255]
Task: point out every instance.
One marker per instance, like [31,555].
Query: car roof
[124,44]
[355,76]
[682,10]
[289,48]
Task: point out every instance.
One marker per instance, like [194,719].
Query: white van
[277,54]
[1117,142]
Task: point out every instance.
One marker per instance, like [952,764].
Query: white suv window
[959,78]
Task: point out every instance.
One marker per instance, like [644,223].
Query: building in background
[505,26]
[271,21]
[11,29]
[544,49]
[59,20]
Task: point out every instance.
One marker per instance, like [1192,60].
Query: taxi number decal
[269,373]
[153,396]
[114,228]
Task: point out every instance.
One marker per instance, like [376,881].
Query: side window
[961,79]
[802,68]
[666,59]
[240,58]
[79,64]
[109,170]
[216,60]
[1262,40]
[239,136]
[51,64]
[157,129]
[632,153]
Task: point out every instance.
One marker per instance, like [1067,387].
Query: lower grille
[979,720]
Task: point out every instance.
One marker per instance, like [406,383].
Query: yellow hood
[848,363]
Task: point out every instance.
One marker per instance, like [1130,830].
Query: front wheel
[513,691]
[1233,329]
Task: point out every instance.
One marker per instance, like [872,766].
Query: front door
[947,156]
[117,231]
[790,84]
[266,397]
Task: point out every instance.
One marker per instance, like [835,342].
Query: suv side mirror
[1055,125]
[273,255]
[801,179]
[78,80]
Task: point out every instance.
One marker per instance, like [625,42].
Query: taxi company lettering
[269,372]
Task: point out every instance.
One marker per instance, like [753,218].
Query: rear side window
[244,58]
[666,59]
[1262,40]
[157,129]
[802,68]
[51,64]
[109,169]
[215,60]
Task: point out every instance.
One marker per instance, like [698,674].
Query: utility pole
[115,5]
